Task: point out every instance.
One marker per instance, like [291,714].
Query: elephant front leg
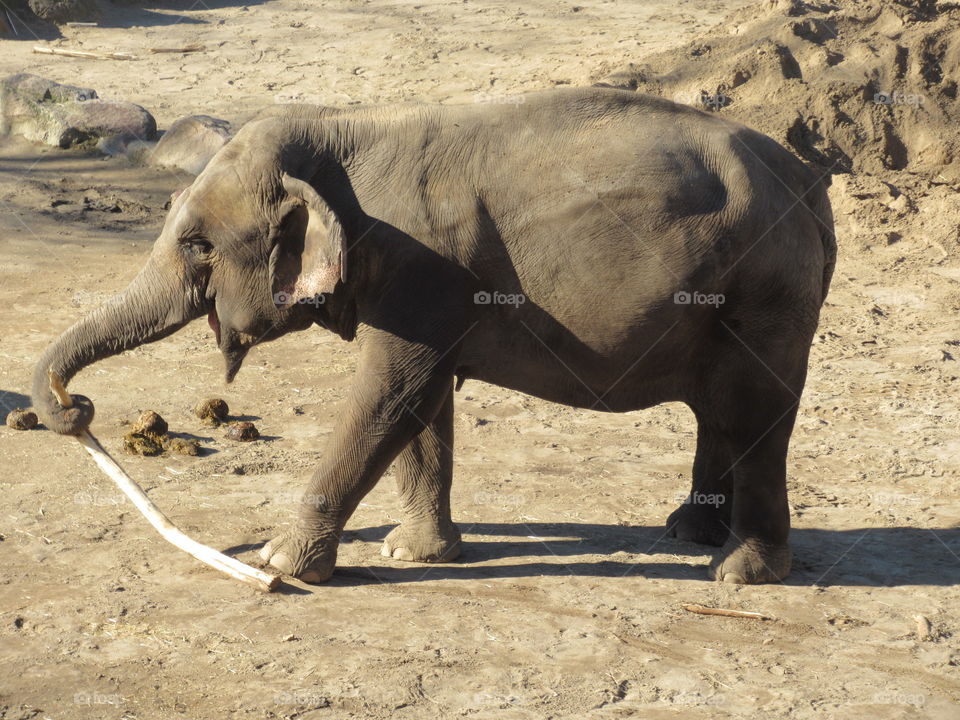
[424,476]
[361,450]
[391,404]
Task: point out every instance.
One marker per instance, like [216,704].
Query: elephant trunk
[153,306]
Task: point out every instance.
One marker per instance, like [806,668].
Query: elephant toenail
[735,578]
[282,563]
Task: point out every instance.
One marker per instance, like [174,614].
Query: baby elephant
[594,247]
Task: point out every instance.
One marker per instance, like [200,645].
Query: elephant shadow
[860,557]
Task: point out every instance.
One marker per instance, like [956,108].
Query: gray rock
[66,116]
[190,143]
[63,11]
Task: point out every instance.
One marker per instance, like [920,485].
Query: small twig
[81,24]
[83,54]
[185,49]
[701,610]
[47,540]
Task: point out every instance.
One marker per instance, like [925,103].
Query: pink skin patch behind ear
[322,280]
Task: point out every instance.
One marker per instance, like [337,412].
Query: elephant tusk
[170,532]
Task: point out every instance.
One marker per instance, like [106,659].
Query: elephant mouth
[233,345]
[214,321]
[230,346]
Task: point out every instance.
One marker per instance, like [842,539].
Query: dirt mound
[849,85]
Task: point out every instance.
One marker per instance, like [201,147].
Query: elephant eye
[197,246]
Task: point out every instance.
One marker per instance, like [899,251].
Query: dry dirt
[567,602]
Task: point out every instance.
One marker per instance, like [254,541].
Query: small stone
[899,204]
[150,423]
[22,419]
[242,431]
[212,411]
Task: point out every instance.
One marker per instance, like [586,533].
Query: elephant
[593,247]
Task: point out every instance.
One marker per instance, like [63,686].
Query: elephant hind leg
[751,399]
[704,516]
[756,549]
[424,476]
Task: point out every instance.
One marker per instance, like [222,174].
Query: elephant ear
[310,251]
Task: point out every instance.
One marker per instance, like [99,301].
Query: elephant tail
[819,205]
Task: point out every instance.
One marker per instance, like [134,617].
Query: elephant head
[248,244]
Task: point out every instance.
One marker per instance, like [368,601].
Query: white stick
[83,53]
[224,563]
[170,532]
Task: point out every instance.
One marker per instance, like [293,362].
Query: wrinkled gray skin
[597,205]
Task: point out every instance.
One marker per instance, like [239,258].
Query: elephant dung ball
[137,443]
[150,423]
[181,446]
[212,411]
[242,431]
[22,419]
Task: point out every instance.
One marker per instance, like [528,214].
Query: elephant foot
[302,555]
[701,524]
[422,542]
[750,562]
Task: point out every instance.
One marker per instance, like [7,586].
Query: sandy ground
[567,602]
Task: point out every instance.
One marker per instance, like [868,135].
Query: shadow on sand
[862,557]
